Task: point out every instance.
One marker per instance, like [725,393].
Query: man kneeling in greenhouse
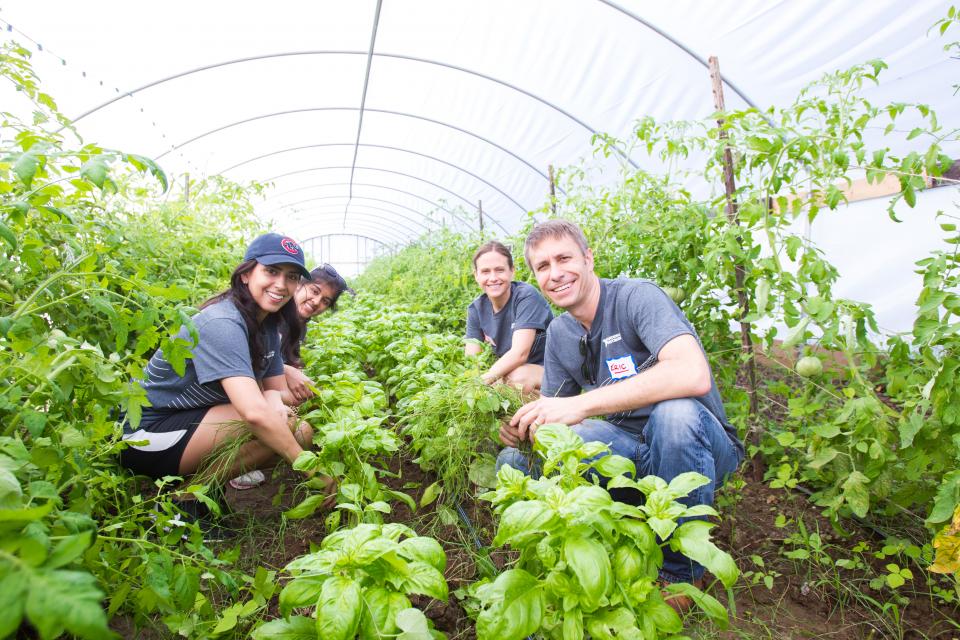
[624,350]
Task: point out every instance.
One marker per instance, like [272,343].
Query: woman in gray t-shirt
[233,383]
[313,297]
[510,316]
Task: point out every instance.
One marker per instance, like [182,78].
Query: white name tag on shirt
[611,339]
[622,367]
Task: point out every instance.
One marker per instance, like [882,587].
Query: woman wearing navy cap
[233,383]
[313,297]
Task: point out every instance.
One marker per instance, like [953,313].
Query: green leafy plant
[358,585]
[452,427]
[585,562]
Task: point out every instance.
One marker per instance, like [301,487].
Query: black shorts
[158,462]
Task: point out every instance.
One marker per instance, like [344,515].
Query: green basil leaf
[686,482]
[425,550]
[710,605]
[380,608]
[296,628]
[301,592]
[692,539]
[613,465]
[517,607]
[590,563]
[338,609]
[524,519]
[414,624]
[614,625]
[431,493]
[306,508]
[425,580]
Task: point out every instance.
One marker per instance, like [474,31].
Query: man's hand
[297,383]
[530,416]
[489,378]
[509,435]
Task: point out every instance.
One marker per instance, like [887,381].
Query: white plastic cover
[465,102]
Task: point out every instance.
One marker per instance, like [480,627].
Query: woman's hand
[298,384]
[329,486]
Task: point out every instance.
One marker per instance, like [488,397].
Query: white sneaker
[248,480]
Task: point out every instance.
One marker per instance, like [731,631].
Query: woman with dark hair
[512,317]
[314,296]
[233,383]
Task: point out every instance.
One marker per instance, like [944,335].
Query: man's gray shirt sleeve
[655,317]
[557,381]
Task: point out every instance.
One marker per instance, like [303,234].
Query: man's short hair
[557,228]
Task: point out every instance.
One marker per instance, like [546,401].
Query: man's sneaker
[248,480]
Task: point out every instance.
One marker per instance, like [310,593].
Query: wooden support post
[186,187]
[746,342]
[553,190]
[480,213]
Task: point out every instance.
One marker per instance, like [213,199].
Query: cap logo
[290,246]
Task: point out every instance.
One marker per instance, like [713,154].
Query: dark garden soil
[810,598]
[776,597]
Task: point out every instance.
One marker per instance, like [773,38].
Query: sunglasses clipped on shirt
[586,366]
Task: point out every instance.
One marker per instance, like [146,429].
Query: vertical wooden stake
[553,190]
[186,187]
[480,213]
[746,343]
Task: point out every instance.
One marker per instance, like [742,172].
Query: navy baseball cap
[273,248]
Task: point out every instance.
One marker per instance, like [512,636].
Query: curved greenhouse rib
[379,248]
[378,146]
[690,52]
[369,226]
[436,205]
[347,52]
[306,213]
[363,103]
[390,202]
[349,235]
[399,173]
[402,114]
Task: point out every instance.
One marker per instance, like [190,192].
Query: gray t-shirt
[221,352]
[634,320]
[526,309]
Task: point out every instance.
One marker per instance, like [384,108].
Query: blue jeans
[681,435]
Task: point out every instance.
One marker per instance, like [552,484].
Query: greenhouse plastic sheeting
[460,103]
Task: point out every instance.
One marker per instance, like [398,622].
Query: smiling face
[494,275]
[565,274]
[271,286]
[313,298]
